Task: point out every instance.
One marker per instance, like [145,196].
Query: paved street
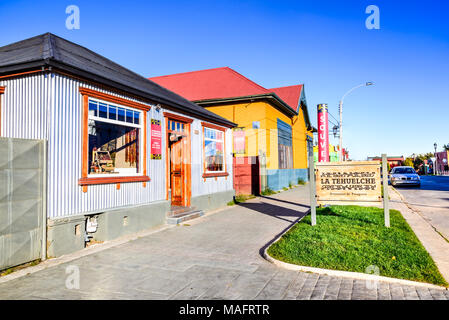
[431,200]
[215,257]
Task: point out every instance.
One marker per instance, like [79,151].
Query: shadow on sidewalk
[273,210]
[285,201]
[277,212]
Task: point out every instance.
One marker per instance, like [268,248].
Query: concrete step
[177,210]
[185,216]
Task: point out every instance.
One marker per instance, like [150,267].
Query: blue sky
[323,44]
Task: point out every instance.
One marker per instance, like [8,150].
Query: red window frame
[2,91]
[85,180]
[214,174]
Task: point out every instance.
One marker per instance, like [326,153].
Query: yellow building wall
[266,138]
[299,141]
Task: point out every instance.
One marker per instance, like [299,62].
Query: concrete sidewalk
[217,256]
[431,201]
[434,243]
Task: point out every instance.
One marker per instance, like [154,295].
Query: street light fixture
[366,84]
[334,130]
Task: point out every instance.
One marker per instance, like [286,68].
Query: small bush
[241,198]
[301,181]
[285,188]
[267,192]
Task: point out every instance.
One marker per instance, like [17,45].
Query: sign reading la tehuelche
[351,181]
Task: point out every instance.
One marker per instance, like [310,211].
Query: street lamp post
[341,115]
[435,163]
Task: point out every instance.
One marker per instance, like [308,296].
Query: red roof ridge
[247,79]
[293,85]
[212,69]
[188,72]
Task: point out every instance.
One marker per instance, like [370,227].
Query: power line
[333,116]
[332,123]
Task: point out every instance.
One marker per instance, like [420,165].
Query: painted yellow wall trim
[265,138]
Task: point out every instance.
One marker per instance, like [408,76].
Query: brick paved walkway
[215,257]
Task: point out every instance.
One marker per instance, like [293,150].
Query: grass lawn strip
[352,238]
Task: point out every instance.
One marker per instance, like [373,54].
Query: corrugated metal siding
[24,107]
[199,186]
[50,107]
[65,153]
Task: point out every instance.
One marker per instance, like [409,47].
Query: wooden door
[176,173]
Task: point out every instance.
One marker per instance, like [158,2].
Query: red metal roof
[222,83]
[291,95]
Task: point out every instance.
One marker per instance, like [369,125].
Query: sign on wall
[239,141]
[156,139]
[354,181]
[323,133]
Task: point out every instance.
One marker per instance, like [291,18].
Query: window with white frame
[114,139]
[214,150]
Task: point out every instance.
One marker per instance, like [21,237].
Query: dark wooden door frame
[186,156]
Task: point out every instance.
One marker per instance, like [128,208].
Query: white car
[404,176]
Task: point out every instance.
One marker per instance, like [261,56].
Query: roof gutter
[305,111]
[90,76]
[5,71]
[272,97]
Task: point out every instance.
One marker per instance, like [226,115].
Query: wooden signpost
[386,197]
[312,189]
[349,183]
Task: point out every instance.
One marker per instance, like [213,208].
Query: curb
[408,205]
[344,274]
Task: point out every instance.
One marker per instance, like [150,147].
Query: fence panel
[22,194]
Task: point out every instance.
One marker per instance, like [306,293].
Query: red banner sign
[239,141]
[323,134]
[156,139]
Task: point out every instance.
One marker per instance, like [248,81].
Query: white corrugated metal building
[123,152]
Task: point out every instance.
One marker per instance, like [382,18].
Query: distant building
[394,161]
[333,154]
[273,121]
[442,162]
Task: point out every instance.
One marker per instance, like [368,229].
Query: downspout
[49,88]
[44,204]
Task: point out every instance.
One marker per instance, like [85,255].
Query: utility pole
[340,149]
[435,162]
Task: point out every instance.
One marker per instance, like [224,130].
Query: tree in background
[446,147]
[409,162]
[418,161]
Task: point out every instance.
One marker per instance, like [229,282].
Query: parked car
[404,176]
